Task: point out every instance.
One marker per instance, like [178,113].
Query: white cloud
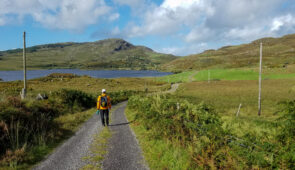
[245,33]
[211,21]
[283,22]
[115,31]
[2,21]
[174,4]
[239,13]
[73,15]
[170,17]
[199,34]
[114,16]
[185,50]
[131,3]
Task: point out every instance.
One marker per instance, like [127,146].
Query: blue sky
[179,27]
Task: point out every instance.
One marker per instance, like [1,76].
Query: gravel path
[69,155]
[192,76]
[173,88]
[124,151]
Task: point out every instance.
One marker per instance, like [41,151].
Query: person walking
[104,105]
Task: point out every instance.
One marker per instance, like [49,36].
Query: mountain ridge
[277,52]
[103,54]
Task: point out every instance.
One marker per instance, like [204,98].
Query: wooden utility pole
[260,71]
[24,90]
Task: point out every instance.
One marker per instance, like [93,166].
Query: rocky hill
[104,54]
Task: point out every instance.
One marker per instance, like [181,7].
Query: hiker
[104,105]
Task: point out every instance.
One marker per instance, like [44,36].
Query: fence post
[238,112]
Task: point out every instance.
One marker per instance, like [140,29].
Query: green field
[238,74]
[178,78]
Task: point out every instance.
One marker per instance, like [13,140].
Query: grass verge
[158,149]
[69,124]
[98,150]
[177,78]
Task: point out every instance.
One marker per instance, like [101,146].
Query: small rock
[41,97]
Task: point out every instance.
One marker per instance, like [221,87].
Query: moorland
[195,127]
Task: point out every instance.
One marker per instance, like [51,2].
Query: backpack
[104,101]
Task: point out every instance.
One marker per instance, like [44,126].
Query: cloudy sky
[179,27]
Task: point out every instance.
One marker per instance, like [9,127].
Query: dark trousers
[104,114]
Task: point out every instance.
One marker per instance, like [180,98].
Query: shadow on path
[123,151]
[121,124]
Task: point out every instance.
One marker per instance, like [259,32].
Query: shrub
[198,129]
[286,135]
[25,123]
[31,122]
[74,99]
[195,127]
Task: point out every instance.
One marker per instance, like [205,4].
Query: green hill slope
[277,52]
[104,54]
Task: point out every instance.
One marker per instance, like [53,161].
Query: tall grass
[197,130]
[24,124]
[227,95]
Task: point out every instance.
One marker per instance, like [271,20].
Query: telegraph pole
[260,70]
[24,90]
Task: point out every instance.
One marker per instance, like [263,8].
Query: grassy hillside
[277,52]
[104,54]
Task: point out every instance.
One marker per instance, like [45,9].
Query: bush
[286,135]
[123,95]
[25,123]
[198,129]
[31,122]
[195,127]
[75,99]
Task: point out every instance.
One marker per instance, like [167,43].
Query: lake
[31,74]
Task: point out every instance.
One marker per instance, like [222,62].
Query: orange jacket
[99,107]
